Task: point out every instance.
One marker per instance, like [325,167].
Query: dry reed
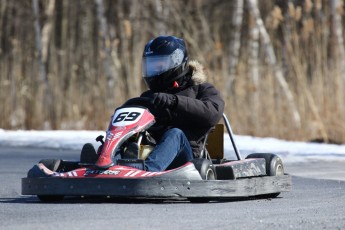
[89,61]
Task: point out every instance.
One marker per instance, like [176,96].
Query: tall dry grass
[85,58]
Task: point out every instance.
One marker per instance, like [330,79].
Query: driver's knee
[174,132]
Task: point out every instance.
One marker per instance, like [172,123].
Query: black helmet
[165,60]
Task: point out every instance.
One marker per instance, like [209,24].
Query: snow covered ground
[287,150]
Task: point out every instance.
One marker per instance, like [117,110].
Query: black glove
[164,100]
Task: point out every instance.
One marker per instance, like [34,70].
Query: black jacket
[199,107]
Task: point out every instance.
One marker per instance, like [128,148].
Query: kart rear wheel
[205,168]
[274,167]
[49,198]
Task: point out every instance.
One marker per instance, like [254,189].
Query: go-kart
[105,173]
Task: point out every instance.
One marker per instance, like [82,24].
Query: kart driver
[184,104]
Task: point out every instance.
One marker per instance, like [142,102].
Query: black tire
[205,169]
[274,167]
[49,198]
[88,154]
[52,164]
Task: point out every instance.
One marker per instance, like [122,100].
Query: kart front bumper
[156,187]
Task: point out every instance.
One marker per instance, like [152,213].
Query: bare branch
[235,42]
[252,4]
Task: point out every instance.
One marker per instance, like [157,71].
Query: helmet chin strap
[181,81]
[175,86]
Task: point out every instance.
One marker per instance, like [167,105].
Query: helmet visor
[158,64]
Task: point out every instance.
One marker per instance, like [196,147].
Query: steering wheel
[140,101]
[147,103]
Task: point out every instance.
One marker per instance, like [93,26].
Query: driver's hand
[164,100]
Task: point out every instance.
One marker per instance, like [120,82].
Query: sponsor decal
[120,128]
[117,135]
[101,172]
[111,136]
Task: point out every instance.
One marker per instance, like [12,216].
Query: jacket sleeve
[205,110]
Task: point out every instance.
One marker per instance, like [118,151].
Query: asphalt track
[312,203]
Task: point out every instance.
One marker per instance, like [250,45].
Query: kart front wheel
[52,164]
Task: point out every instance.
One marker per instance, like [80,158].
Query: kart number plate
[127,116]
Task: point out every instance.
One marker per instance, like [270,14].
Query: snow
[289,151]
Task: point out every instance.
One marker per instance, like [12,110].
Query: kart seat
[214,142]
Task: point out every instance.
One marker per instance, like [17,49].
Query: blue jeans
[173,150]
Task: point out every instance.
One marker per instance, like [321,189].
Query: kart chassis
[242,182]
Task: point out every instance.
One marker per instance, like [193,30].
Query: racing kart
[105,173]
